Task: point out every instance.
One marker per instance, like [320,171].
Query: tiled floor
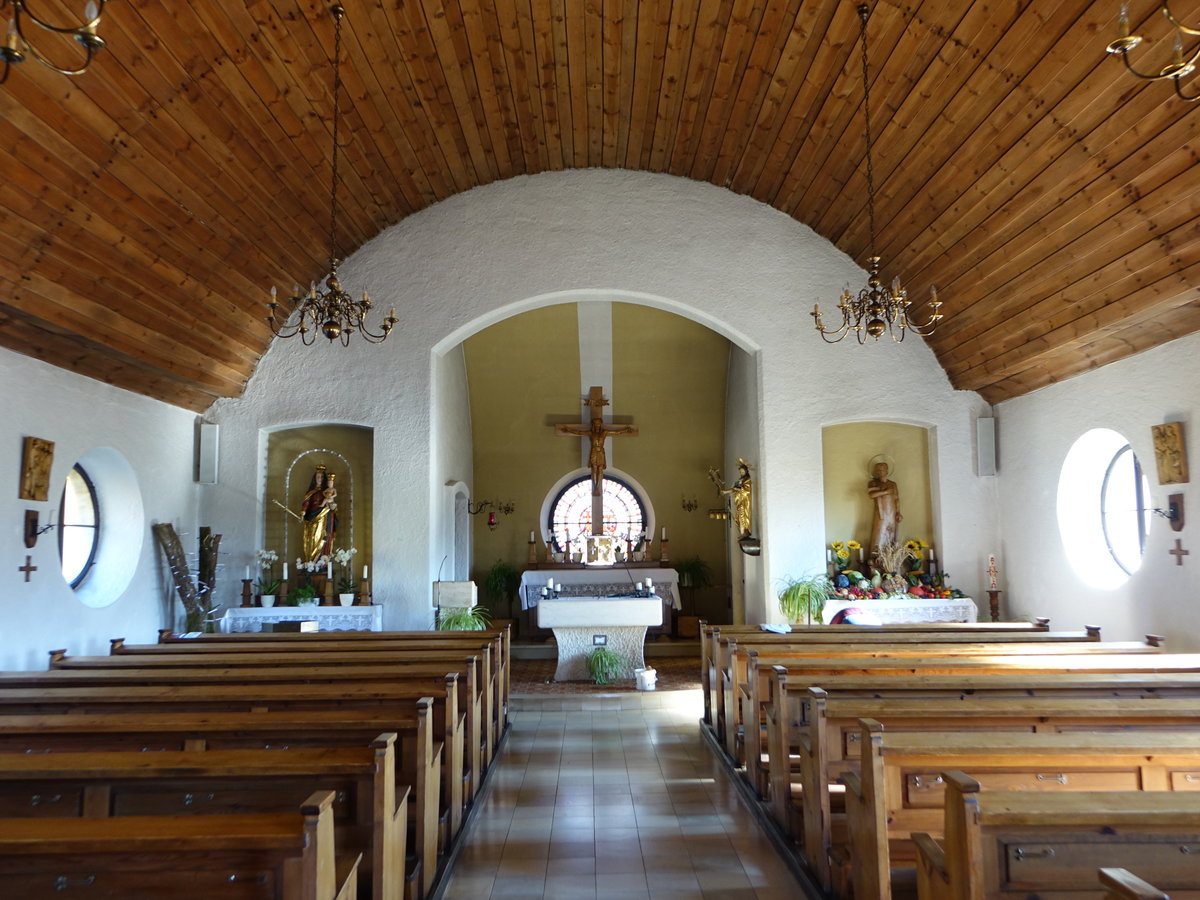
[614,798]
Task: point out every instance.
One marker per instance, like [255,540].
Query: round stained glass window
[571,511]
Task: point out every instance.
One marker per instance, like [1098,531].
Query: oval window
[1103,514]
[79,526]
[571,511]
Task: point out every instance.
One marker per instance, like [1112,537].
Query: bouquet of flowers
[843,567]
[267,582]
[342,558]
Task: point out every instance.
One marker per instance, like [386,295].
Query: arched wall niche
[847,451]
[293,455]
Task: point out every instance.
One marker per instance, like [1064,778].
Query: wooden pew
[1016,844]
[257,688]
[820,737]
[476,699]
[500,641]
[370,812]
[418,760]
[265,856]
[744,684]
[711,635]
[1122,884]
[899,790]
[502,659]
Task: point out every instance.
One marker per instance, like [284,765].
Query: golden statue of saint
[318,515]
[740,495]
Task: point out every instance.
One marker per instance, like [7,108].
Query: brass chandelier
[18,47]
[876,309]
[1176,70]
[331,312]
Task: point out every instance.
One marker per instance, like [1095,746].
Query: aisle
[614,798]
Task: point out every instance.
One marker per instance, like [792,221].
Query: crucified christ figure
[597,432]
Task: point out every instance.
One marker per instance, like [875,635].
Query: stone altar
[577,621]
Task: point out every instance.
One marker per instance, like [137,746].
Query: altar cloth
[599,581]
[909,610]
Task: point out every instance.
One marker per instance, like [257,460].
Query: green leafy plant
[304,594]
[603,665]
[693,572]
[803,599]
[267,586]
[346,585]
[462,618]
[501,585]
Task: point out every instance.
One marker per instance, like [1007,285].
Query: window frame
[586,477]
[86,569]
[1140,505]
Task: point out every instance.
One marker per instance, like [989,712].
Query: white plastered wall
[1036,432]
[83,416]
[729,262]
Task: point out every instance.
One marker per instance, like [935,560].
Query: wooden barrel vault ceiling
[149,203]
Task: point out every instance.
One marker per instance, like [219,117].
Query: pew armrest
[1122,883]
[930,854]
[346,872]
[853,784]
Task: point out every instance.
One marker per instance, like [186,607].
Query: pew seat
[1012,844]
[261,856]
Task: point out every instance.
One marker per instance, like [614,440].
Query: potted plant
[345,583]
[501,585]
[304,595]
[462,618]
[603,665]
[693,572]
[803,599]
[267,585]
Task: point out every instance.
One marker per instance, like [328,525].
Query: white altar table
[330,618]
[621,621]
[599,581]
[905,610]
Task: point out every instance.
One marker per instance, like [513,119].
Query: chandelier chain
[863,13]
[337,114]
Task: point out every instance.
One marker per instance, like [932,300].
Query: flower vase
[266,600]
[346,599]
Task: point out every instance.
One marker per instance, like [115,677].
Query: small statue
[886,520]
[740,494]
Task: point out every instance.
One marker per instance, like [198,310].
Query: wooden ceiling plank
[556,53]
[782,21]
[62,304]
[448,31]
[653,22]
[123,219]
[76,354]
[80,250]
[1093,227]
[382,42]
[833,143]
[507,25]
[998,83]
[492,81]
[546,35]
[802,83]
[712,21]
[612,42]
[942,57]
[680,43]
[593,67]
[736,50]
[625,89]
[531,72]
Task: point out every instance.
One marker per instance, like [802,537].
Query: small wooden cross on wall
[28,568]
[1179,553]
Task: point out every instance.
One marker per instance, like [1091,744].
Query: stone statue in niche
[885,523]
[1169,453]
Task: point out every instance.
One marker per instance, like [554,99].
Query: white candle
[328,570]
[247,573]
[639,585]
[531,537]
[366,573]
[550,583]
[285,571]
[664,533]
[992,572]
[649,584]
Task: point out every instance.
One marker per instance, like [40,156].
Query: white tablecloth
[331,618]
[599,581]
[904,610]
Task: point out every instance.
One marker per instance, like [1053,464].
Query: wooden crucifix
[596,431]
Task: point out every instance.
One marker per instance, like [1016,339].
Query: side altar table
[576,622]
[909,610]
[240,619]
